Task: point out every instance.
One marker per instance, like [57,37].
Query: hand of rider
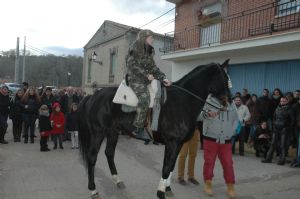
[150,77]
[167,82]
[213,114]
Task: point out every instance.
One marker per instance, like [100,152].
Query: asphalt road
[27,173]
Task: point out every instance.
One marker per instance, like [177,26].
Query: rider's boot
[141,134]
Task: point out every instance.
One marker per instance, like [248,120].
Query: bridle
[195,96]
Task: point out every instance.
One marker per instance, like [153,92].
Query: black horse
[100,118]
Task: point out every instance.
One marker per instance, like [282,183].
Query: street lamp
[94,58]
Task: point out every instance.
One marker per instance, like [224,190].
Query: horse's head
[211,78]
[220,83]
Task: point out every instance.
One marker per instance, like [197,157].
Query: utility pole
[17,78]
[24,55]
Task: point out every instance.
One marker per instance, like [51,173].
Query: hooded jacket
[222,127]
[140,62]
[58,120]
[45,124]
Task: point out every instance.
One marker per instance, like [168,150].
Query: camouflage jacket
[138,67]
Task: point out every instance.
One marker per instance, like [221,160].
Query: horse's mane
[194,73]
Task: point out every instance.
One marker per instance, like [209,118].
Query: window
[287,7]
[113,66]
[89,77]
[210,35]
[212,9]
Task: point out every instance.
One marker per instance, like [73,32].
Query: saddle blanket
[125,94]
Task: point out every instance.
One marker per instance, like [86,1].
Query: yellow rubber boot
[208,188]
[230,191]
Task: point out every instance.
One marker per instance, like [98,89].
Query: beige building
[104,55]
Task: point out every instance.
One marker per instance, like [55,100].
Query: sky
[72,23]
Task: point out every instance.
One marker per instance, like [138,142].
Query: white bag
[125,94]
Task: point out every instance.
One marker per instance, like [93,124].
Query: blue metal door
[284,75]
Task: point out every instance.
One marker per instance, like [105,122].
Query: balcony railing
[269,19]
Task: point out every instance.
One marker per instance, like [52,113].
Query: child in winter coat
[45,126]
[72,125]
[262,139]
[58,121]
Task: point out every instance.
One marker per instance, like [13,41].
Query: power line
[165,24]
[43,51]
[34,51]
[157,18]
[132,28]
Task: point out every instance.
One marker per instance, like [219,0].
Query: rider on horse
[141,70]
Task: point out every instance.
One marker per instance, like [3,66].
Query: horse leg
[112,140]
[172,149]
[91,159]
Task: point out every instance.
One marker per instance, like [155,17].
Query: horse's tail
[83,127]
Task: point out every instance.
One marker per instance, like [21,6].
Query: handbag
[238,127]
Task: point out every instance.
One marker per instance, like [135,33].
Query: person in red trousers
[219,120]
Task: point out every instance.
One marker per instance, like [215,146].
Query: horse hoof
[95,196]
[161,195]
[121,185]
[169,192]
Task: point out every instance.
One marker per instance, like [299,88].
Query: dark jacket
[16,109]
[4,104]
[296,110]
[245,98]
[72,121]
[66,101]
[264,107]
[273,104]
[262,144]
[283,117]
[259,131]
[33,106]
[45,125]
[48,101]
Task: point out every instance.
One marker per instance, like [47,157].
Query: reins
[195,96]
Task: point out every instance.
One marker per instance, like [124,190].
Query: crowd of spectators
[28,105]
[270,123]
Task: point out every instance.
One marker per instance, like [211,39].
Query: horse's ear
[225,64]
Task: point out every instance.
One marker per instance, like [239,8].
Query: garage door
[284,75]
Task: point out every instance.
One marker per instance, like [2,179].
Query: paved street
[26,173]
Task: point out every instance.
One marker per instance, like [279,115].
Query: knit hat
[56,104]
[44,110]
[44,107]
